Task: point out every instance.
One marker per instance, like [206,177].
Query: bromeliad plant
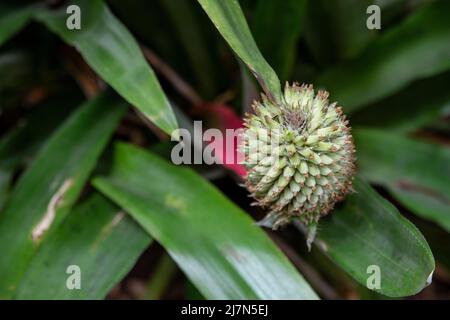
[88,189]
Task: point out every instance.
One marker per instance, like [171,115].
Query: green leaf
[228,18]
[278,41]
[5,182]
[217,245]
[190,34]
[101,240]
[411,108]
[417,48]
[110,49]
[416,173]
[394,10]
[49,187]
[368,230]
[161,278]
[336,30]
[438,240]
[147,21]
[12,20]
[21,143]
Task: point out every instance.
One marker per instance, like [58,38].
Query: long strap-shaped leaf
[217,245]
[99,239]
[336,30]
[51,184]
[276,26]
[188,29]
[368,237]
[110,49]
[229,19]
[417,105]
[417,48]
[416,173]
[20,144]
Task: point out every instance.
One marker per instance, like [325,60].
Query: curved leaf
[411,108]
[49,187]
[415,172]
[228,18]
[336,30]
[97,237]
[21,143]
[367,230]
[110,49]
[6,177]
[186,24]
[278,41]
[217,245]
[398,57]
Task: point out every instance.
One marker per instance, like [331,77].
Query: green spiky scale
[310,166]
[313,170]
[303,167]
[299,177]
[294,187]
[324,171]
[310,181]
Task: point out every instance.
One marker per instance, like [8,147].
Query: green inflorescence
[299,155]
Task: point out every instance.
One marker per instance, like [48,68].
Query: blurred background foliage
[83,123]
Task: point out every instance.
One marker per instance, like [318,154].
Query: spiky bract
[299,154]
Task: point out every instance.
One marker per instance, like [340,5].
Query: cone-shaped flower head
[299,155]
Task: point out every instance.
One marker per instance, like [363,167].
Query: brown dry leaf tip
[299,155]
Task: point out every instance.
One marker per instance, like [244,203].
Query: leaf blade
[48,188]
[229,20]
[21,143]
[97,237]
[368,230]
[278,41]
[337,31]
[415,172]
[386,64]
[224,253]
[409,109]
[110,49]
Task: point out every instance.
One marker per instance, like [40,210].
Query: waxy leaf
[96,237]
[368,237]
[51,184]
[411,108]
[277,26]
[228,18]
[336,30]
[221,250]
[110,49]
[416,173]
[20,144]
[417,48]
